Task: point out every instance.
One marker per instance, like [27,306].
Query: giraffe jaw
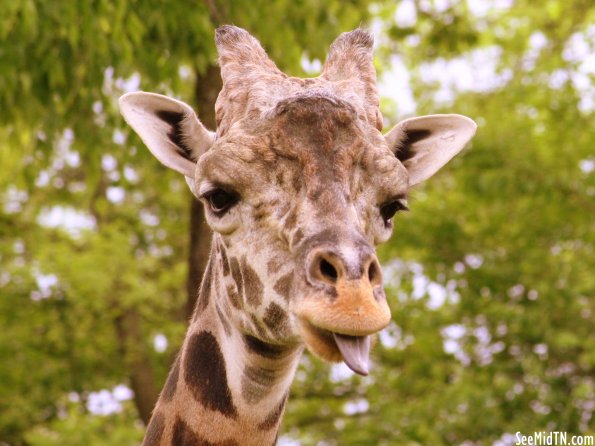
[335,347]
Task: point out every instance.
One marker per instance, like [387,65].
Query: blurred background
[491,276]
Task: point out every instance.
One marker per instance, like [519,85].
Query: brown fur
[205,374]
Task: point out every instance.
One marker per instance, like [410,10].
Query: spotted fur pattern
[235,402]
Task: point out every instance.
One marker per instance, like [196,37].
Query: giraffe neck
[226,388]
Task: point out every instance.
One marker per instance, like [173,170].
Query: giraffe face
[300,198]
[301,186]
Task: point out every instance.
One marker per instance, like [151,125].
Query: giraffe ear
[426,143]
[169,128]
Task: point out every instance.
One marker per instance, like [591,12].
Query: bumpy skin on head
[252,83]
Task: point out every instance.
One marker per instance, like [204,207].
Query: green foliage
[506,229]
[74,427]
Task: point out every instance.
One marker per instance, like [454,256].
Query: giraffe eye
[389,209]
[220,201]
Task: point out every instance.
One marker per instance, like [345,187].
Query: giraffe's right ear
[170,129]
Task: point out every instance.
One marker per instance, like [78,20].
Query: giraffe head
[300,185]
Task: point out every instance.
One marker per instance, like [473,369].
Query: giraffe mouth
[335,347]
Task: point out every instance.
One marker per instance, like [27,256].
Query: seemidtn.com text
[553,439]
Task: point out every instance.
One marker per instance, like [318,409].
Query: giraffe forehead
[308,142]
[317,137]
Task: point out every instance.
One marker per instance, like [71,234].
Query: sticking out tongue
[355,351]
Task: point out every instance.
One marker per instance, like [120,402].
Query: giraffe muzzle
[354,309]
[346,307]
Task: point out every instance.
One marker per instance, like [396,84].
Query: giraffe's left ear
[426,143]
[169,128]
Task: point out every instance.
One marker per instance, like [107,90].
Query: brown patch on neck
[258,326]
[205,373]
[257,383]
[264,349]
[184,436]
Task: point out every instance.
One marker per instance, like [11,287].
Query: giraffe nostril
[374,274]
[325,268]
[329,267]
[328,271]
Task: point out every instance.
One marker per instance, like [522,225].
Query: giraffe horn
[248,76]
[351,60]
[241,55]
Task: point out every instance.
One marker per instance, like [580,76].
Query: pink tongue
[355,351]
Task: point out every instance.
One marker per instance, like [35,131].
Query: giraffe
[299,186]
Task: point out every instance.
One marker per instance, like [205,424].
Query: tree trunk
[207,88]
[141,373]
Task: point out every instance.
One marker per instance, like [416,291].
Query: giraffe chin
[335,347]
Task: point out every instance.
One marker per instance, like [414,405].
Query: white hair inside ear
[169,128]
[426,143]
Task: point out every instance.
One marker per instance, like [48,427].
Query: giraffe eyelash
[220,200]
[390,208]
